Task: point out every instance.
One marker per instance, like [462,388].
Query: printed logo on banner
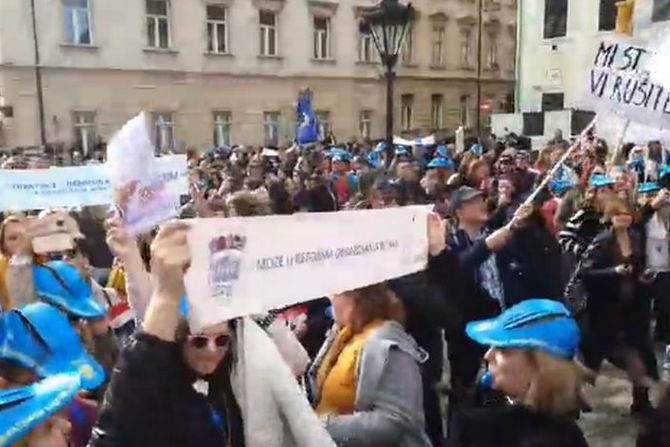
[225,259]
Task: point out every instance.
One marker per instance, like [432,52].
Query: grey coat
[389,395]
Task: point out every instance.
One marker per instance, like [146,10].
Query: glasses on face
[202,341]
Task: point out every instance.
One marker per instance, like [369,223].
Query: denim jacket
[389,395]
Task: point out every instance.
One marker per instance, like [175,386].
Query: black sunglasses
[202,341]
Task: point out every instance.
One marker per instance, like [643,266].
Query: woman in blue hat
[530,362]
[38,342]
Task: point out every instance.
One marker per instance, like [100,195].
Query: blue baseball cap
[560,186]
[444,163]
[40,337]
[381,147]
[23,409]
[648,187]
[60,284]
[477,149]
[537,324]
[601,181]
[401,150]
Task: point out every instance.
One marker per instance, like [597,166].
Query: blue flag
[308,123]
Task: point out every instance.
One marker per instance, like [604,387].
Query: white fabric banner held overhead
[243,266]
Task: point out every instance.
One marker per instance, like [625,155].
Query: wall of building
[117,75]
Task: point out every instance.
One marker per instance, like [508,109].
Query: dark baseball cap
[463,195]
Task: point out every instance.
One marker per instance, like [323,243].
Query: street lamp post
[387,24]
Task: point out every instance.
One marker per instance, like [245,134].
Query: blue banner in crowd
[308,123]
[75,186]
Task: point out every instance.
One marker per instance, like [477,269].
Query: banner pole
[559,163]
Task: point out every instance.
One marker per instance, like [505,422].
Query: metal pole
[390,77]
[38,76]
[480,5]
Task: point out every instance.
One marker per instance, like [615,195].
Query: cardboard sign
[619,82]
[141,195]
[242,266]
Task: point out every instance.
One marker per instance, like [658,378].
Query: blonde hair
[556,386]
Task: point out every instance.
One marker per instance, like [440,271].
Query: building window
[223,125]
[271,128]
[661,11]
[217,29]
[436,111]
[552,101]
[438,45]
[158,23]
[366,48]
[268,27]
[607,15]
[555,18]
[77,22]
[321,38]
[406,112]
[492,51]
[365,123]
[407,49]
[324,123]
[466,41]
[464,110]
[85,130]
[165,135]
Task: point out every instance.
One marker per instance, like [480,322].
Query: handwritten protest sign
[619,82]
[242,266]
[76,186]
[140,194]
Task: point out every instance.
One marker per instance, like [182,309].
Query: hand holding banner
[243,266]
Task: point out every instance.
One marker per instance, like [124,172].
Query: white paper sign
[34,189]
[140,194]
[619,82]
[242,266]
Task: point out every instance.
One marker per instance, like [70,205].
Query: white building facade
[557,43]
[228,71]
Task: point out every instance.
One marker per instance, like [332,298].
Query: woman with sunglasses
[171,387]
[618,307]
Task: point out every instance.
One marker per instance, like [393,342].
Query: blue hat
[601,181]
[401,150]
[648,187]
[23,409]
[561,185]
[381,147]
[537,324]
[442,151]
[61,284]
[27,334]
[444,163]
[477,149]
[338,154]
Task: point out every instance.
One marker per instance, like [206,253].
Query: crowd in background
[580,269]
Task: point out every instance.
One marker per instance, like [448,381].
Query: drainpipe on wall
[38,76]
[517,57]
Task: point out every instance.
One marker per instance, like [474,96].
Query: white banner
[425,141]
[75,186]
[619,82]
[243,266]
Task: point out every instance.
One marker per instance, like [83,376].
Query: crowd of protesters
[530,293]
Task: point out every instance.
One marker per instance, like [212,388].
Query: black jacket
[514,426]
[618,306]
[151,402]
